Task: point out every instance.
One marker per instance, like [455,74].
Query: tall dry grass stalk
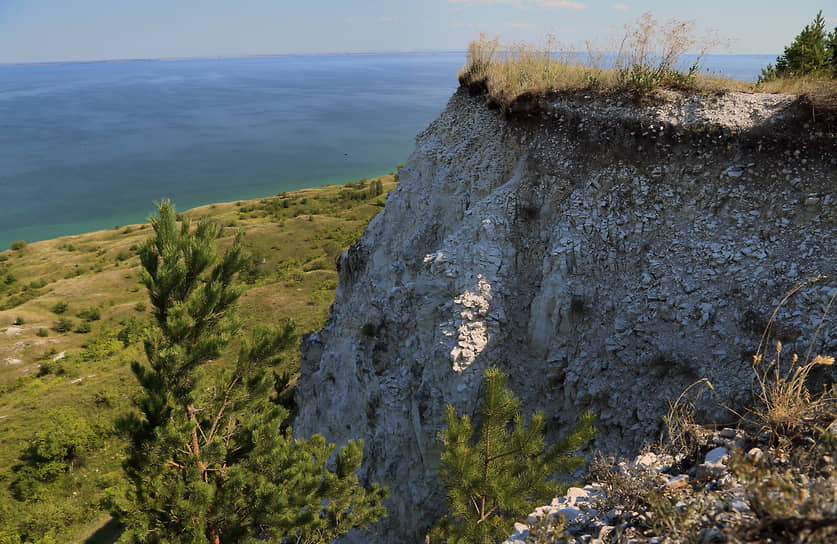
[680,428]
[785,402]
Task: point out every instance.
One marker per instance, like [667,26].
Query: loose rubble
[708,500]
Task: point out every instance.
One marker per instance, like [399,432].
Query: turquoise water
[90,146]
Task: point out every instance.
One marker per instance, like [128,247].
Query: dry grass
[682,434]
[785,405]
[647,55]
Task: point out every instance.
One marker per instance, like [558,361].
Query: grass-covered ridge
[646,56]
[72,314]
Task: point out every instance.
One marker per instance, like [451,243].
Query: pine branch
[223,407]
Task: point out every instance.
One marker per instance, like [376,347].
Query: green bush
[63,324]
[83,327]
[19,321]
[90,314]
[59,308]
[132,331]
[42,332]
[139,307]
[498,478]
[812,52]
[18,245]
[37,284]
[56,447]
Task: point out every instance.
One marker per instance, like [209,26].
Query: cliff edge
[604,254]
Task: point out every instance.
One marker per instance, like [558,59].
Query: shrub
[63,325]
[500,477]
[19,321]
[83,327]
[132,331]
[90,314]
[139,307]
[59,307]
[18,245]
[57,446]
[812,52]
[42,332]
[376,188]
[789,506]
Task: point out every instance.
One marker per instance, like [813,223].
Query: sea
[90,146]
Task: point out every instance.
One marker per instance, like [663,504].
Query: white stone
[717,455]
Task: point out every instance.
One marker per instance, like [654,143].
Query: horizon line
[234,57]
[276,56]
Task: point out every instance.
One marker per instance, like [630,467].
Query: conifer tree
[811,52]
[503,475]
[209,459]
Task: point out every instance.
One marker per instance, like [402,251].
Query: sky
[73,30]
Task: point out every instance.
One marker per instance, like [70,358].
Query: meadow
[72,316]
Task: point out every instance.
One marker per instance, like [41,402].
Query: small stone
[568,513]
[737,505]
[678,482]
[717,455]
[646,460]
[576,493]
[728,433]
[709,471]
[755,454]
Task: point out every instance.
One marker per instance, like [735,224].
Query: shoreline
[130,219]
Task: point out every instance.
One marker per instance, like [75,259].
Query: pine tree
[209,456]
[811,53]
[508,471]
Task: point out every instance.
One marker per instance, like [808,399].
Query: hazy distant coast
[232,57]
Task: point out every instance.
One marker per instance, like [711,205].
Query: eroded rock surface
[604,256]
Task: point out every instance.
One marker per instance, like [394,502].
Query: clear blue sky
[56,30]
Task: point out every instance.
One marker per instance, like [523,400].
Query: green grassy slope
[82,375]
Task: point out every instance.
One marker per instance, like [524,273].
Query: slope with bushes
[74,312]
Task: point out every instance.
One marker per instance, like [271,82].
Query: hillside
[72,314]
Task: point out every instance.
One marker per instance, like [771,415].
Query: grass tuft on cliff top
[648,55]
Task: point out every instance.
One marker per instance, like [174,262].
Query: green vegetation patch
[93,281]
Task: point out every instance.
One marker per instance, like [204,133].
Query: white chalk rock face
[605,256]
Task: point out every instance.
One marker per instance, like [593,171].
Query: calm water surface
[90,146]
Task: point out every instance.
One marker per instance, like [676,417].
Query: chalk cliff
[605,254]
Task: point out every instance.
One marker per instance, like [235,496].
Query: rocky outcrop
[604,254]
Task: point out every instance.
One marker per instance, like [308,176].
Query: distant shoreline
[236,57]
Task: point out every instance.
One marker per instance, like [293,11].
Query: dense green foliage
[812,52]
[209,459]
[57,447]
[499,478]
